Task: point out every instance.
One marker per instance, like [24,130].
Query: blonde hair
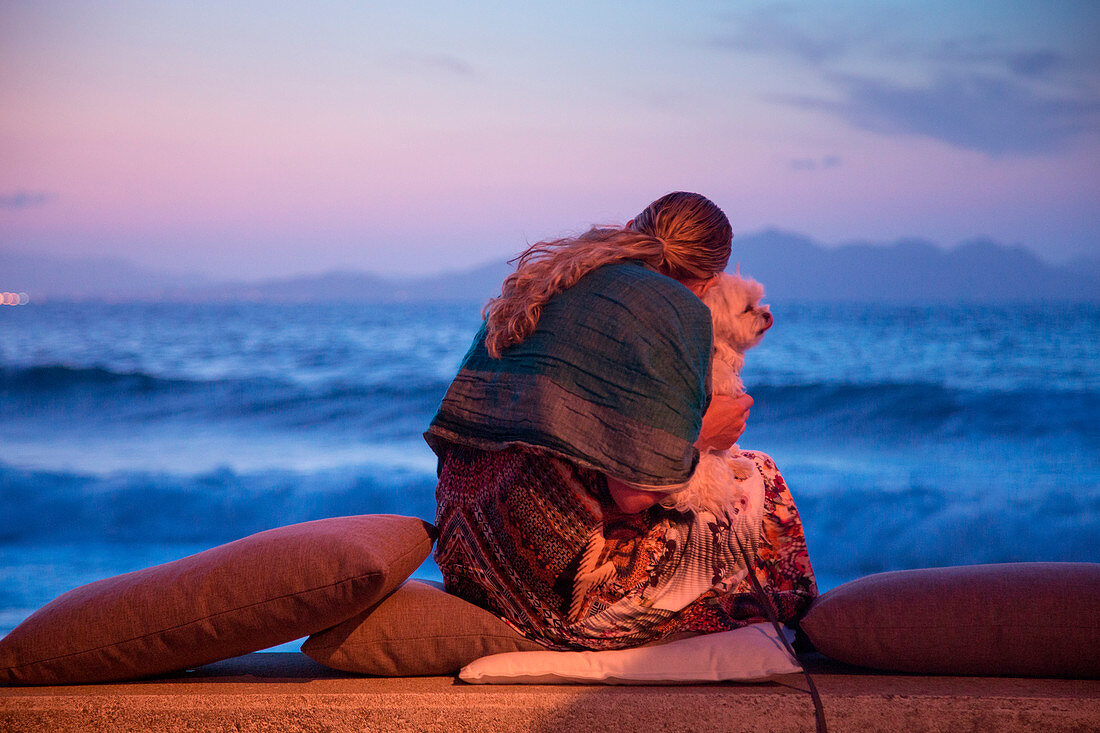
[682,235]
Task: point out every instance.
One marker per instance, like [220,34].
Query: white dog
[739,323]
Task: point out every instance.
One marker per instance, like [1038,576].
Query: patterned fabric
[539,542]
[614,378]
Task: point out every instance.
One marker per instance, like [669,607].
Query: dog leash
[819,709]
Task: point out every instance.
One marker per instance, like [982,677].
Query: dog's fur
[739,323]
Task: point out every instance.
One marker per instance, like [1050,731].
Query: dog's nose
[767,319]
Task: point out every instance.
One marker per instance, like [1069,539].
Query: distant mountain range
[102,278]
[792,267]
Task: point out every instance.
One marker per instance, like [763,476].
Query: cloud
[823,40]
[979,92]
[775,30]
[813,164]
[974,112]
[443,62]
[984,52]
[1035,64]
[25,199]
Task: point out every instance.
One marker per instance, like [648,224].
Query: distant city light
[14,299]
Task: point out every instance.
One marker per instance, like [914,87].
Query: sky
[255,139]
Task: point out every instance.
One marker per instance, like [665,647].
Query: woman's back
[592,367]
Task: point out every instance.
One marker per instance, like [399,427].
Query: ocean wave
[856,531]
[55,378]
[95,396]
[849,532]
[401,405]
[928,411]
[212,506]
[61,379]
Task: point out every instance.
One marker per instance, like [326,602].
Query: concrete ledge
[289,692]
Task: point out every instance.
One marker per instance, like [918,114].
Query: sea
[910,436]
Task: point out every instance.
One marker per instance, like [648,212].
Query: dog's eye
[748,308]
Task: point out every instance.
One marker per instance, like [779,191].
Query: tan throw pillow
[263,590]
[1018,619]
[418,630]
[753,653]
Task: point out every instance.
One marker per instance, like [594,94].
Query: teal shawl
[614,378]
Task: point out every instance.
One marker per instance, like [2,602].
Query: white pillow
[752,653]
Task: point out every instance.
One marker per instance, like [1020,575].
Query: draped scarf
[614,378]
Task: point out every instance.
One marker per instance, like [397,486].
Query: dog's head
[739,319]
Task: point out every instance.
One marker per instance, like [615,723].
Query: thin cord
[819,709]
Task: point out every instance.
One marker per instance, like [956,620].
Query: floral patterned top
[539,542]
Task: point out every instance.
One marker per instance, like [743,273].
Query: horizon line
[401,275]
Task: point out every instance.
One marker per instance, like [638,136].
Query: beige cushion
[752,653]
[418,630]
[267,589]
[1020,619]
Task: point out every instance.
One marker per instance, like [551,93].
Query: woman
[582,402]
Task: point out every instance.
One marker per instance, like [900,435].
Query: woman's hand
[723,422]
